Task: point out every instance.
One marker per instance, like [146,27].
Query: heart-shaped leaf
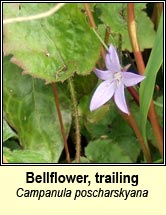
[30,109]
[51,48]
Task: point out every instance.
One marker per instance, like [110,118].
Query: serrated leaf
[7,131]
[30,108]
[52,48]
[106,151]
[115,15]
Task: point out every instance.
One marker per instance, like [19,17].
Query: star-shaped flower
[115,79]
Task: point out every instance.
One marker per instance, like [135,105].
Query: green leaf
[30,108]
[106,151]
[52,48]
[86,114]
[152,68]
[81,86]
[23,156]
[113,128]
[115,15]
[159,104]
[7,131]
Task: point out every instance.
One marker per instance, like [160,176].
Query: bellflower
[115,79]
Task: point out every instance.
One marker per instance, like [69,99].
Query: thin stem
[120,48]
[98,36]
[93,25]
[158,132]
[130,119]
[61,122]
[76,117]
[141,68]
[90,16]
[107,35]
[157,10]
[133,38]
[134,94]
[33,17]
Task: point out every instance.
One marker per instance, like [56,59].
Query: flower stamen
[115,79]
[118,77]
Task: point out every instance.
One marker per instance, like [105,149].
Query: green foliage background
[63,45]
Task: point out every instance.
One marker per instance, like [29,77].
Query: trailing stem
[93,25]
[76,119]
[130,119]
[141,68]
[55,92]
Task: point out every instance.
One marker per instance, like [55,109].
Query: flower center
[118,77]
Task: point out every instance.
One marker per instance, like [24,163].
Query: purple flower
[115,79]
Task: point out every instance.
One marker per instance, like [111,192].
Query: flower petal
[131,79]
[112,60]
[103,75]
[103,93]
[120,100]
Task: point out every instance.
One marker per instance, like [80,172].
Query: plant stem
[90,16]
[134,94]
[130,119]
[133,38]
[107,35]
[102,42]
[158,132]
[157,10]
[55,92]
[93,25]
[141,68]
[76,118]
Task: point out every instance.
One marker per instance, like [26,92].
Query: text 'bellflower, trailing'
[115,79]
